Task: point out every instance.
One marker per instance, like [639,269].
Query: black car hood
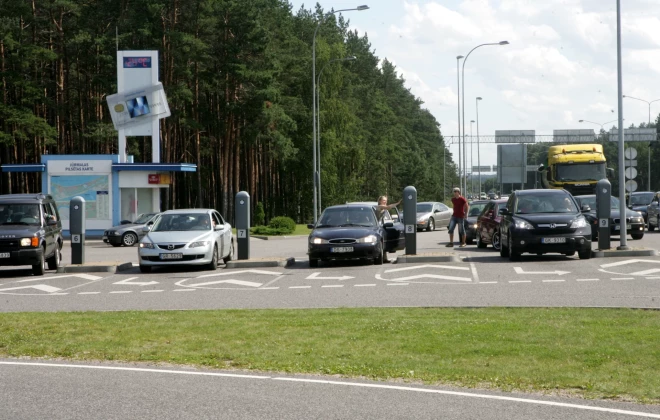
[537,218]
[641,207]
[614,214]
[343,232]
[18,231]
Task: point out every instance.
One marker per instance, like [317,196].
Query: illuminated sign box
[138,106]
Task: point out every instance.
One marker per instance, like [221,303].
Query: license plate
[617,227]
[342,249]
[553,240]
[5,254]
[171,256]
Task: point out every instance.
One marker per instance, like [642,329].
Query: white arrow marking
[42,287]
[239,282]
[81,276]
[421,276]
[136,283]
[273,273]
[645,272]
[314,276]
[628,262]
[449,267]
[519,270]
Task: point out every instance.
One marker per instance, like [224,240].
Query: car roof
[428,202]
[30,197]
[181,211]
[544,190]
[480,201]
[349,205]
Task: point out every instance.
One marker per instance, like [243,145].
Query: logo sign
[154,178]
[131,108]
[75,239]
[552,225]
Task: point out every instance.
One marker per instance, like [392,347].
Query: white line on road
[268,288]
[623,278]
[448,267]
[152,291]
[89,293]
[474,272]
[300,287]
[121,291]
[333,285]
[364,285]
[488,282]
[614,264]
[340,383]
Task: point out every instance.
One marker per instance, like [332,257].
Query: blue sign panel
[137,62]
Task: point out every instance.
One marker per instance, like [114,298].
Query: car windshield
[475,209]
[543,202]
[581,172]
[182,222]
[641,199]
[20,214]
[347,216]
[144,218]
[424,208]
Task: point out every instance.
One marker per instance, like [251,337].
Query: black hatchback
[544,221]
[354,231]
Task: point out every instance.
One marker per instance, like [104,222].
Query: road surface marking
[300,287]
[623,278]
[121,291]
[89,293]
[364,285]
[152,291]
[333,285]
[474,272]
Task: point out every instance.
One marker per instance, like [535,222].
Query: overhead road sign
[573,136]
[635,134]
[515,136]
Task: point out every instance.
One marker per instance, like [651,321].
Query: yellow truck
[574,167]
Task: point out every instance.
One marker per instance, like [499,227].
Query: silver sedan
[186,237]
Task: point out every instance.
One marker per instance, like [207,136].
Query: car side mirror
[310,226]
[146,229]
[388,224]
[149,223]
[585,208]
[51,221]
[503,211]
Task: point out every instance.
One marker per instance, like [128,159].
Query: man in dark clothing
[461,208]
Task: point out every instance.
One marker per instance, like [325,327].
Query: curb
[265,262]
[95,268]
[406,259]
[624,253]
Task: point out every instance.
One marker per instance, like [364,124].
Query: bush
[259,214]
[278,226]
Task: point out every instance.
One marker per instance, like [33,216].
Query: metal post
[458,96]
[622,181]
[478,146]
[471,163]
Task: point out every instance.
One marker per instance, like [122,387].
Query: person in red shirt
[461,208]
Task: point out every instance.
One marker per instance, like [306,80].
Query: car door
[395,238]
[484,222]
[220,230]
[445,213]
[653,210]
[506,219]
[50,234]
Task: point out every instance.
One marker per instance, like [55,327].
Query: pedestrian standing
[383,206]
[461,208]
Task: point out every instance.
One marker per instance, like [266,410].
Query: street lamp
[458,97]
[471,162]
[478,146]
[318,120]
[649,124]
[601,125]
[314,174]
[463,86]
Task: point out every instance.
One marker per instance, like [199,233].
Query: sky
[560,65]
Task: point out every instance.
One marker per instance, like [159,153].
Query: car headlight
[316,240]
[579,223]
[522,224]
[475,225]
[421,220]
[371,239]
[198,244]
[147,245]
[114,232]
[637,219]
[30,241]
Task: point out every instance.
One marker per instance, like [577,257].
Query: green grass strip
[593,353]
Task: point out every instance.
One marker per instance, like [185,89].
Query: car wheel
[129,239]
[594,234]
[145,269]
[514,255]
[213,265]
[313,262]
[637,236]
[54,261]
[504,251]
[378,259]
[651,226]
[431,226]
[38,268]
[480,243]
[229,256]
[584,255]
[497,241]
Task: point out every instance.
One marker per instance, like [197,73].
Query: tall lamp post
[471,162]
[463,85]
[314,173]
[649,124]
[458,97]
[318,120]
[478,146]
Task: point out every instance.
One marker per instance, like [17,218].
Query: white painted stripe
[89,293]
[333,285]
[364,285]
[623,278]
[645,272]
[300,287]
[474,272]
[552,281]
[184,290]
[355,384]
[448,267]
[121,291]
[268,288]
[58,294]
[587,279]
[488,282]
[614,264]
[152,291]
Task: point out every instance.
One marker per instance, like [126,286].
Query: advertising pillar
[410,219]
[242,206]
[77,229]
[603,212]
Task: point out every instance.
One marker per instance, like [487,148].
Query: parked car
[543,221]
[471,223]
[131,233]
[653,212]
[353,231]
[30,231]
[488,225]
[634,219]
[186,237]
[639,201]
[431,214]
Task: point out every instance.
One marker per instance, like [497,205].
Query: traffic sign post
[77,229]
[603,212]
[242,213]
[410,219]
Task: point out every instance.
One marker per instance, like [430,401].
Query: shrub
[278,226]
[259,214]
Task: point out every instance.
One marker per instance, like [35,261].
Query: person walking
[461,208]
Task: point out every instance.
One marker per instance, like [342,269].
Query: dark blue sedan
[353,231]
